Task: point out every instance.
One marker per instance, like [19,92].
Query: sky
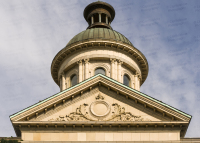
[32,32]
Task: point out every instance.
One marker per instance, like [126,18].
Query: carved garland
[118,114]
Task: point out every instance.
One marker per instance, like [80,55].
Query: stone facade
[106,107]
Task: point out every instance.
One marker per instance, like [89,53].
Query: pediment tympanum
[100,105]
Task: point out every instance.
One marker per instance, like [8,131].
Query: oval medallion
[100,108]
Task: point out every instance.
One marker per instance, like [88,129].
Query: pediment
[113,89]
[100,100]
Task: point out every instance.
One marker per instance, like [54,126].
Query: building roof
[112,80]
[99,33]
[99,4]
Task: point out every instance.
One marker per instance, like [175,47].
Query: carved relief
[118,114]
[99,97]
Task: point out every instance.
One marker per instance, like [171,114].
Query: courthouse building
[99,73]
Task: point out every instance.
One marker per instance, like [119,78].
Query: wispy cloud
[166,32]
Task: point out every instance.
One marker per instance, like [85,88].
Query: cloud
[32,32]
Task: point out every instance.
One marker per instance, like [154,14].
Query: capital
[62,74]
[120,62]
[112,60]
[138,75]
[79,62]
[86,60]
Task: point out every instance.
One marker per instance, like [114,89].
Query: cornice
[69,50]
[111,84]
[61,126]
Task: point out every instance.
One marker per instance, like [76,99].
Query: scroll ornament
[118,114]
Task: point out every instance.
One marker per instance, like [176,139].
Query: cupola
[99,15]
[99,50]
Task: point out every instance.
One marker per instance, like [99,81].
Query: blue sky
[166,32]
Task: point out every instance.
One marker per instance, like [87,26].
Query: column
[60,83]
[135,81]
[99,17]
[115,71]
[86,68]
[67,81]
[92,20]
[63,81]
[112,68]
[106,19]
[119,71]
[83,71]
[80,71]
[139,79]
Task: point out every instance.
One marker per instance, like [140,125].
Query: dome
[99,33]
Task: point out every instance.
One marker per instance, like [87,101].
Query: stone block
[36,137]
[108,136]
[72,136]
[118,136]
[136,136]
[100,136]
[127,137]
[90,136]
[81,136]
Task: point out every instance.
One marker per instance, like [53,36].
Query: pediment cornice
[69,94]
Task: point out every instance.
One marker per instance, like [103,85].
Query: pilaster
[86,68]
[63,81]
[80,71]
[119,71]
[112,68]
[60,83]
[137,81]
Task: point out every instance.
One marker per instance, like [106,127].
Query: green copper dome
[99,33]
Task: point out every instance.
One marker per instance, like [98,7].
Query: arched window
[126,80]
[99,71]
[73,80]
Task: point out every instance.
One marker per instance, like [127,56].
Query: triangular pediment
[100,99]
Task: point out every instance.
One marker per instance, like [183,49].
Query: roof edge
[136,91]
